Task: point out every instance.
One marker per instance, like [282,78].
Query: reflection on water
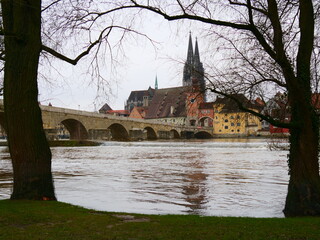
[213,177]
[5,173]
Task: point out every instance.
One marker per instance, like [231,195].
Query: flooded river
[214,177]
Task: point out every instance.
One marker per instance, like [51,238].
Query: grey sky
[71,88]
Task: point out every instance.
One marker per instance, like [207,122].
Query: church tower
[193,71]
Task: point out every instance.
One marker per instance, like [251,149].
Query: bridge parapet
[96,115]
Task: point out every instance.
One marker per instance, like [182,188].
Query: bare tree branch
[50,5]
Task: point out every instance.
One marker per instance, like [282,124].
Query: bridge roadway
[96,126]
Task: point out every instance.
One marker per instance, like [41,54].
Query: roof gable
[138,95]
[230,105]
[168,102]
[105,108]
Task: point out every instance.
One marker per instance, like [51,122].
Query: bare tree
[275,45]
[26,36]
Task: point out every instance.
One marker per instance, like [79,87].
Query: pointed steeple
[196,58]
[198,70]
[190,50]
[156,83]
[188,66]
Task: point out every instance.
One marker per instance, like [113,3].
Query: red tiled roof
[141,109]
[166,98]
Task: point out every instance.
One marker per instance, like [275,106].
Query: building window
[232,124]
[226,127]
[226,120]
[192,122]
[238,124]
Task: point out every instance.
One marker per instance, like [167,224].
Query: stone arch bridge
[88,125]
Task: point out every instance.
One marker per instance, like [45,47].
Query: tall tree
[29,149]
[282,35]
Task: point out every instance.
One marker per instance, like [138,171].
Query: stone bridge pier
[120,134]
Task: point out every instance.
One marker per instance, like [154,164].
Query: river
[219,177]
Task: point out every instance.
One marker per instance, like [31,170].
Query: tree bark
[303,198]
[29,149]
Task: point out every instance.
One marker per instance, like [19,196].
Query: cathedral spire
[196,58]
[190,51]
[188,66]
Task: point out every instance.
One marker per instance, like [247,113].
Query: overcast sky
[71,88]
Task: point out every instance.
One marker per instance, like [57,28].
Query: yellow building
[230,120]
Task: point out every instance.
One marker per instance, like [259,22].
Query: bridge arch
[118,132]
[202,135]
[206,122]
[174,134]
[75,128]
[151,134]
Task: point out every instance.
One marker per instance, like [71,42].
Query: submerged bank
[56,220]
[73,143]
[66,143]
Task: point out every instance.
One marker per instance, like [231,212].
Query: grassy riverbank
[55,220]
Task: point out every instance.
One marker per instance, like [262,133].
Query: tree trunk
[303,198]
[29,149]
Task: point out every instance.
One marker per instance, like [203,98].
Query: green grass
[55,220]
